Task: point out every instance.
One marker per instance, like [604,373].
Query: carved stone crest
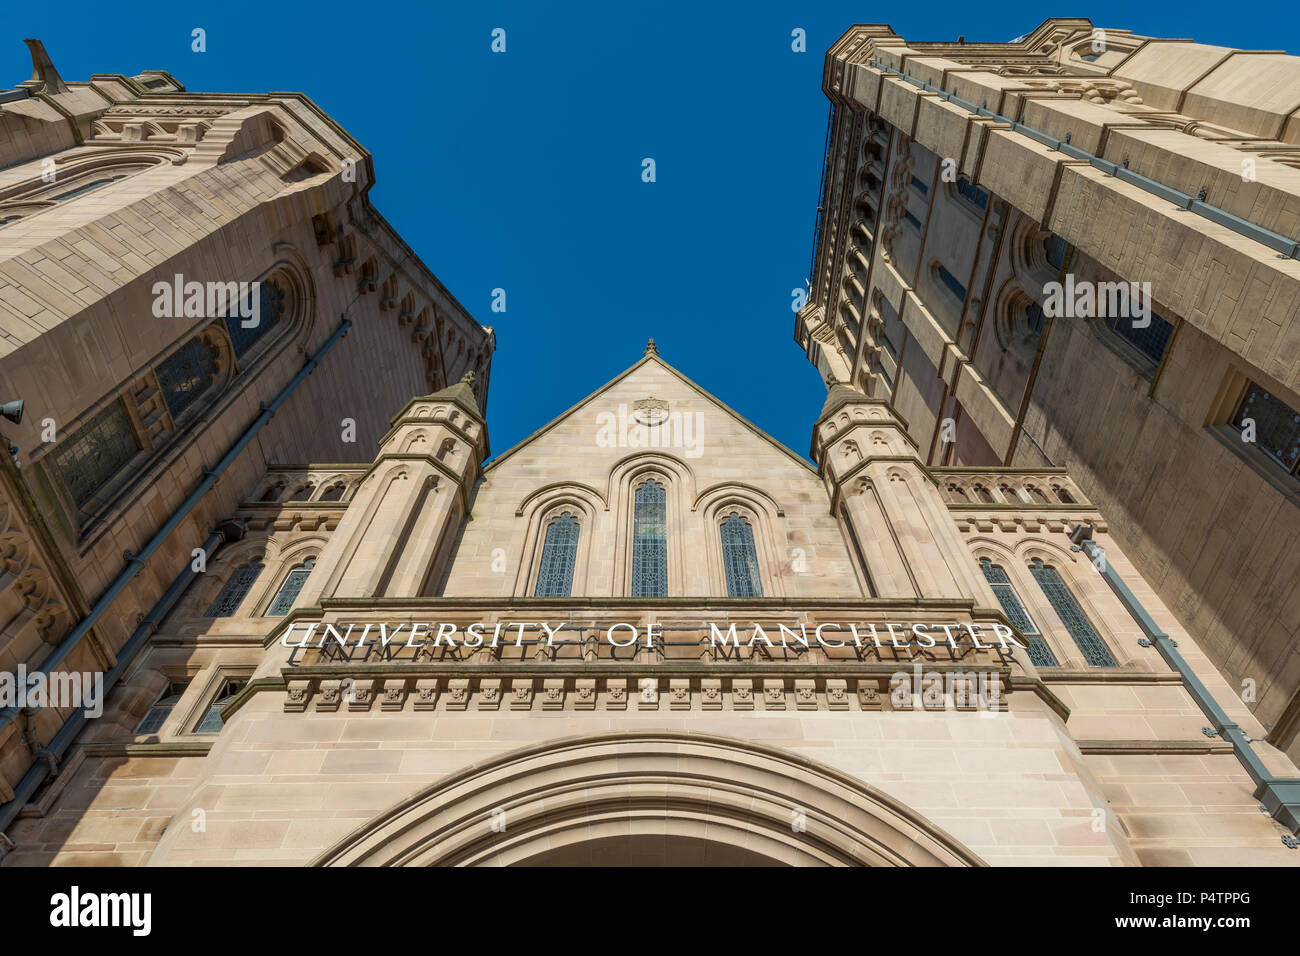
[650,411]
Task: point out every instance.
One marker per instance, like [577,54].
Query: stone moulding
[697,786]
[862,688]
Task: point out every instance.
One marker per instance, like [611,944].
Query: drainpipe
[136,562]
[1280,796]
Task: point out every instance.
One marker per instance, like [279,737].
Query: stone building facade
[648,633]
[145,423]
[533,662]
[963,179]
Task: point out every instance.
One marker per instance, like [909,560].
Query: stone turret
[889,501]
[395,537]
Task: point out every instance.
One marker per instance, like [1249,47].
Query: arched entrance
[649,799]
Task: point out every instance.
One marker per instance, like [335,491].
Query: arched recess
[1089,592]
[679,480]
[226,562]
[538,509]
[1027,592]
[281,558]
[770,538]
[679,785]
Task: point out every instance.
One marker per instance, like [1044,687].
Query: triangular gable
[620,377]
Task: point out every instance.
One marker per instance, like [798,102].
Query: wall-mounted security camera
[13,411]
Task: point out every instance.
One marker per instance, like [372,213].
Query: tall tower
[1073,250]
[194,290]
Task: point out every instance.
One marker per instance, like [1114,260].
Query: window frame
[1038,564]
[169,693]
[228,687]
[635,560]
[747,522]
[306,563]
[1035,638]
[545,546]
[257,561]
[1263,454]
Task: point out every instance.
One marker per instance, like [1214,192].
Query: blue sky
[522,170]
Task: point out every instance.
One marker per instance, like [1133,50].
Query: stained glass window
[1076,622]
[153,721]
[650,541]
[82,190]
[290,589]
[1150,340]
[236,589]
[971,193]
[1054,249]
[1277,425]
[212,722]
[186,375]
[1039,652]
[740,558]
[1035,318]
[950,280]
[270,311]
[559,554]
[96,452]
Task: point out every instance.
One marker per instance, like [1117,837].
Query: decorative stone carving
[805,695]
[616,694]
[489,693]
[521,693]
[742,694]
[774,694]
[426,694]
[553,694]
[393,695]
[584,694]
[363,695]
[869,695]
[458,694]
[679,694]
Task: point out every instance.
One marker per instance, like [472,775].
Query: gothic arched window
[270,300]
[740,557]
[1085,636]
[303,492]
[92,455]
[334,493]
[650,541]
[186,375]
[236,589]
[559,554]
[290,589]
[1039,652]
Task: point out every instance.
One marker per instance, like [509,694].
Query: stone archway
[646,798]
